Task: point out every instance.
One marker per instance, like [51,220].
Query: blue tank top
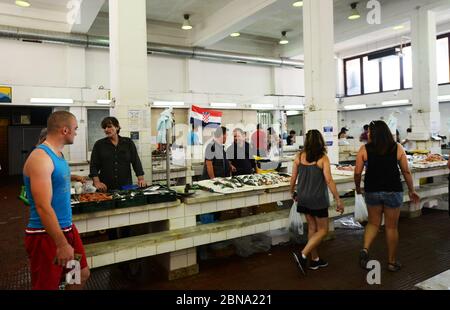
[61,192]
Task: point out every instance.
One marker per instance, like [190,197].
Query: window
[443,69]
[353,78]
[391,73]
[95,132]
[371,76]
[407,67]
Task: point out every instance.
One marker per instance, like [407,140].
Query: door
[4,147]
[22,140]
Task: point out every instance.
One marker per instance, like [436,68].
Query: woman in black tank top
[383,188]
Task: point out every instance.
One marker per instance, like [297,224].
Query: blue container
[207,218]
[129,187]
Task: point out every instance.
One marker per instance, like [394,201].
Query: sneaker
[301,262]
[363,258]
[394,267]
[314,265]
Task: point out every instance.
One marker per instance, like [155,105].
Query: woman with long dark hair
[383,188]
[312,173]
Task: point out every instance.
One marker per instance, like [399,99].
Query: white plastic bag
[295,223]
[361,214]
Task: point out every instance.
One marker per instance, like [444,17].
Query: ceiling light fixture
[23,4]
[444,98]
[223,105]
[354,14]
[293,107]
[52,100]
[168,104]
[235,34]
[297,4]
[186,24]
[355,107]
[104,101]
[395,102]
[263,106]
[284,40]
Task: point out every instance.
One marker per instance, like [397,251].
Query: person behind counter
[111,159]
[51,238]
[343,133]
[364,135]
[240,154]
[259,141]
[383,189]
[216,162]
[312,172]
[290,140]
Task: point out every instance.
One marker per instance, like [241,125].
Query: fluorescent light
[51,100]
[284,40]
[223,105]
[399,27]
[444,98]
[262,106]
[168,104]
[103,101]
[294,107]
[297,4]
[235,34]
[292,113]
[395,102]
[355,107]
[354,14]
[23,4]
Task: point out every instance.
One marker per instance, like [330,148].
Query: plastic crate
[93,206]
[128,202]
[163,196]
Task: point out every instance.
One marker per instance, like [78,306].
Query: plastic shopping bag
[295,223]
[361,214]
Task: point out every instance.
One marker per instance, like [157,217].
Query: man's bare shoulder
[37,161]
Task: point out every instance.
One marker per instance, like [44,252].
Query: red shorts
[41,249]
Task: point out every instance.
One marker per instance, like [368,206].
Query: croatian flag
[205,117]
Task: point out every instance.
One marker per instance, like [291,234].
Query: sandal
[394,267]
[363,258]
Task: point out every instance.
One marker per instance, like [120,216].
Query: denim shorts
[387,199]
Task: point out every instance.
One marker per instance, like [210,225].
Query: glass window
[391,73]
[407,67]
[353,68]
[371,76]
[443,61]
[94,131]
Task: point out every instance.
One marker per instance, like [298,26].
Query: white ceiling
[52,5]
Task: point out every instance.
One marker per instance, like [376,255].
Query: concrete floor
[424,251]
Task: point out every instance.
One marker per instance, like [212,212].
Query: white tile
[234,233]
[157,215]
[178,262]
[209,207]
[277,197]
[146,251]
[251,201]
[97,224]
[265,198]
[184,243]
[89,261]
[191,250]
[277,224]
[218,236]
[125,255]
[176,223]
[238,202]
[81,226]
[103,260]
[262,227]
[178,252]
[192,259]
[224,205]
[165,247]
[287,195]
[176,212]
[119,220]
[138,217]
[201,240]
[190,221]
[193,209]
[249,230]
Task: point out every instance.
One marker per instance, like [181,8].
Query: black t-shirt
[241,157]
[215,152]
[289,141]
[112,164]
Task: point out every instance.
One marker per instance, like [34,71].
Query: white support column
[129,73]
[320,75]
[425,115]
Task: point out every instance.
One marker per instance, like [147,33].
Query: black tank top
[382,174]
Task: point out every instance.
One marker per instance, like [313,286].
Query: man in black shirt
[291,138]
[216,162]
[240,154]
[111,159]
